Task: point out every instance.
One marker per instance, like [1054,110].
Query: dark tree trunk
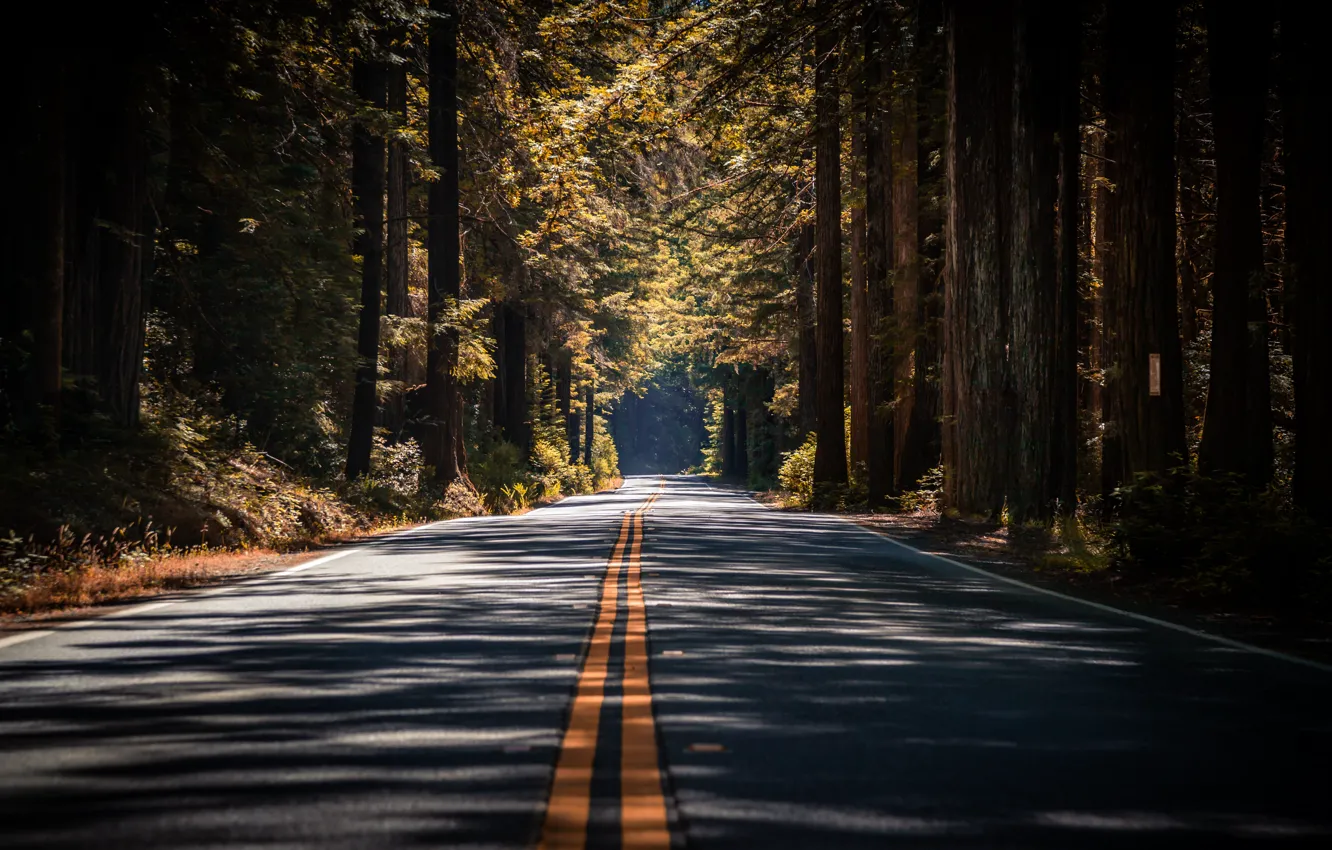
[1309,274]
[917,423]
[1043,365]
[727,440]
[589,432]
[368,81]
[516,411]
[1237,430]
[829,420]
[439,446]
[806,352]
[742,443]
[1190,209]
[978,405]
[906,260]
[498,393]
[1068,139]
[564,398]
[1141,319]
[397,302]
[879,258]
[860,320]
[48,345]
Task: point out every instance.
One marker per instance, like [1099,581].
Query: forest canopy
[1031,261]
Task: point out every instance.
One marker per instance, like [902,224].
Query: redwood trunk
[977,402]
[1141,318]
[439,446]
[1309,280]
[397,302]
[860,320]
[1237,430]
[880,300]
[830,454]
[368,81]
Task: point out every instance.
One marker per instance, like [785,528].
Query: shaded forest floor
[1086,570]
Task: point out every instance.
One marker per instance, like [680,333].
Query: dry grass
[58,591]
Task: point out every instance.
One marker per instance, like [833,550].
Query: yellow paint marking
[642,803]
[571,790]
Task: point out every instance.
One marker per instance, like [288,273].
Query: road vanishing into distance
[668,665]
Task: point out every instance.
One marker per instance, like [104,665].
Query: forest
[275,270]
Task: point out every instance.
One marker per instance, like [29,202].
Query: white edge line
[34,634]
[1132,615]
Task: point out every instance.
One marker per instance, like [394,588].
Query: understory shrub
[1218,537]
[797,472]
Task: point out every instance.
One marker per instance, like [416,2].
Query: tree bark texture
[367,179]
[1141,318]
[1305,107]
[516,412]
[829,417]
[880,280]
[397,302]
[860,324]
[439,446]
[806,352]
[978,406]
[1237,430]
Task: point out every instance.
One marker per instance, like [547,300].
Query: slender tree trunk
[48,343]
[829,420]
[589,431]
[1066,25]
[498,391]
[516,412]
[922,439]
[1237,430]
[439,448]
[564,395]
[368,81]
[879,278]
[1141,319]
[397,302]
[978,406]
[727,440]
[742,442]
[1309,274]
[860,320]
[806,348]
[906,263]
[1190,187]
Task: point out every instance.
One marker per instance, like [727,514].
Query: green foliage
[928,494]
[796,474]
[1213,535]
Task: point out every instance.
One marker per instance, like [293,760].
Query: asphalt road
[811,685]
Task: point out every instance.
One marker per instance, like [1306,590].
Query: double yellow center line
[643,822]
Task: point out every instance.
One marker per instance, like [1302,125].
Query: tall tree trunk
[564,398]
[1237,430]
[589,430]
[742,441]
[367,179]
[516,411]
[1309,274]
[397,302]
[978,407]
[1141,319]
[727,441]
[880,300]
[498,393]
[1190,187]
[921,438]
[860,320]
[1043,368]
[439,448]
[806,352]
[48,345]
[829,419]
[906,261]
[1066,26]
